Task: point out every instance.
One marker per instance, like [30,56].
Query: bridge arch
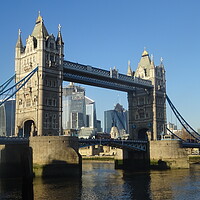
[27,128]
[143,133]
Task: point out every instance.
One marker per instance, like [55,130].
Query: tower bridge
[39,100]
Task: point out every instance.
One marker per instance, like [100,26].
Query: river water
[100,181]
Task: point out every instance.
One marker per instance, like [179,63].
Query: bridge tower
[147,108]
[39,102]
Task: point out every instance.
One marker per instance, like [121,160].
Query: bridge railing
[136,145]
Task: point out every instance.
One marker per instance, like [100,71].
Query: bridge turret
[129,71]
[19,48]
[60,46]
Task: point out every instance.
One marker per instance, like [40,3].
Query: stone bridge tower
[39,102]
[147,108]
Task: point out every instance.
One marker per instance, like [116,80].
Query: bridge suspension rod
[18,86]
[182,121]
[6,83]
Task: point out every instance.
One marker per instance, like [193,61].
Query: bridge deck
[135,145]
[102,78]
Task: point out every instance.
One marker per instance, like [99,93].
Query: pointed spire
[59,28]
[39,29]
[129,71]
[145,53]
[39,19]
[19,40]
[161,60]
[59,37]
[152,59]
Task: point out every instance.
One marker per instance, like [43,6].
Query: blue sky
[108,33]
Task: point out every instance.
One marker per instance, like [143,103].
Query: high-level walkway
[89,75]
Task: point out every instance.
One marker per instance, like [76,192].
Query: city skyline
[107,34]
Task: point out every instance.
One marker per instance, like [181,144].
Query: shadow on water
[59,168]
[138,185]
[27,190]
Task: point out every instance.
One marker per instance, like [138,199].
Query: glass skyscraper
[79,111]
[74,109]
[118,118]
[7,118]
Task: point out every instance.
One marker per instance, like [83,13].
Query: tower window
[51,45]
[145,72]
[52,58]
[49,102]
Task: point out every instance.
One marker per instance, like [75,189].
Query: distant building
[119,117]
[79,112]
[99,129]
[74,110]
[91,120]
[7,118]
[172,127]
[114,133]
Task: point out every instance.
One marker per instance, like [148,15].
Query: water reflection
[137,185]
[57,188]
[101,181]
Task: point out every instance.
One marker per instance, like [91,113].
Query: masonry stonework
[39,102]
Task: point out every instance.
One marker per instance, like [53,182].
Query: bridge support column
[168,154]
[16,161]
[56,156]
[132,160]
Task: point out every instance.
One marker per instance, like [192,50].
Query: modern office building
[74,110]
[117,117]
[7,118]
[79,111]
[91,120]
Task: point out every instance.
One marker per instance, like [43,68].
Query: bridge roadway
[89,75]
[136,145]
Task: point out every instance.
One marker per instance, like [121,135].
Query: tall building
[74,109]
[38,103]
[79,111]
[7,118]
[117,117]
[90,113]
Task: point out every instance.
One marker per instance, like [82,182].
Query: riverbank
[194,159]
[98,158]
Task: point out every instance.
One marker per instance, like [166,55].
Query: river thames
[100,181]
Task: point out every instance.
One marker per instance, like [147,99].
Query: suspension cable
[6,83]
[194,134]
[18,86]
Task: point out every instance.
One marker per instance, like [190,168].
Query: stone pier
[16,161]
[132,160]
[56,156]
[169,154]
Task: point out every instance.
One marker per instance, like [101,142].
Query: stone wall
[16,161]
[169,152]
[56,156]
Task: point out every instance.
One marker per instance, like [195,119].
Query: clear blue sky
[107,33]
